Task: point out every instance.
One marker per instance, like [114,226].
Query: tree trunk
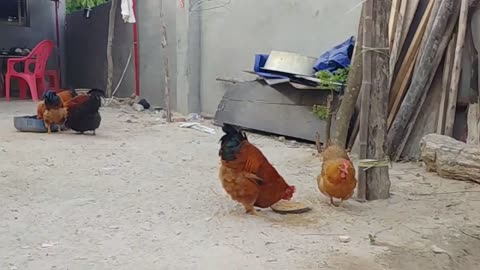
[451,158]
[378,182]
[111,33]
[421,76]
[349,99]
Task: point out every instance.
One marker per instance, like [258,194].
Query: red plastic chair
[35,80]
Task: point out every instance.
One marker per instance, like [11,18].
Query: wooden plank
[454,84]
[421,77]
[473,124]
[397,44]
[432,93]
[400,85]
[281,110]
[428,29]
[424,121]
[393,21]
[447,71]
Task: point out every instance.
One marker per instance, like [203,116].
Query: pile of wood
[433,82]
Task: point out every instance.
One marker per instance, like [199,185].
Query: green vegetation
[332,81]
[321,111]
[74,5]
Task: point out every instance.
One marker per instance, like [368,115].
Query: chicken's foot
[251,210]
[333,203]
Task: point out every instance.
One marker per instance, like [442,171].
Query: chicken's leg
[333,203]
[250,209]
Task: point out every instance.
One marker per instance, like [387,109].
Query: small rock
[344,239]
[131,121]
[438,250]
[47,245]
[179,119]
[138,107]
[114,227]
[281,138]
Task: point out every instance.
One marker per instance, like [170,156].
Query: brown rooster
[337,179]
[65,95]
[54,112]
[246,174]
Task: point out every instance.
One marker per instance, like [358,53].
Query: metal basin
[32,124]
[290,63]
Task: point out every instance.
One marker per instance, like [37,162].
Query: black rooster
[83,112]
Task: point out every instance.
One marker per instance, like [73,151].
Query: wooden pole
[457,62]
[111,33]
[368,27]
[349,99]
[378,182]
[420,77]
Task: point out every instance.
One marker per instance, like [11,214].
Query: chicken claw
[333,203]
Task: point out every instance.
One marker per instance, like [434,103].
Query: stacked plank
[432,64]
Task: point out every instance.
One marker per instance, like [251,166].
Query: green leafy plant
[74,5]
[333,80]
[321,111]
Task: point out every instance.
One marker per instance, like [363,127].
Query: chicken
[337,178]
[65,96]
[246,175]
[83,112]
[54,112]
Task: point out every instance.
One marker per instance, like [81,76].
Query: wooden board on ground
[281,109]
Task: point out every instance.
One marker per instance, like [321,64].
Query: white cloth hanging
[128,14]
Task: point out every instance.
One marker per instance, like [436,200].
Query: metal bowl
[32,124]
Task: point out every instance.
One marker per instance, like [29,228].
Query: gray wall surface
[86,51]
[232,35]
[152,54]
[42,26]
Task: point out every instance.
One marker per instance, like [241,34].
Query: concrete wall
[42,26]
[86,51]
[152,54]
[232,35]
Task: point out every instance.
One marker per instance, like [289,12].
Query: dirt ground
[145,195]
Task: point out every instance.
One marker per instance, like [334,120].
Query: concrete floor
[145,195]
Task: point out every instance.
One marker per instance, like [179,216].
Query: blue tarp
[339,56]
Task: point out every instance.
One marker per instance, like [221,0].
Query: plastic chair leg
[33,89]
[7,87]
[22,88]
